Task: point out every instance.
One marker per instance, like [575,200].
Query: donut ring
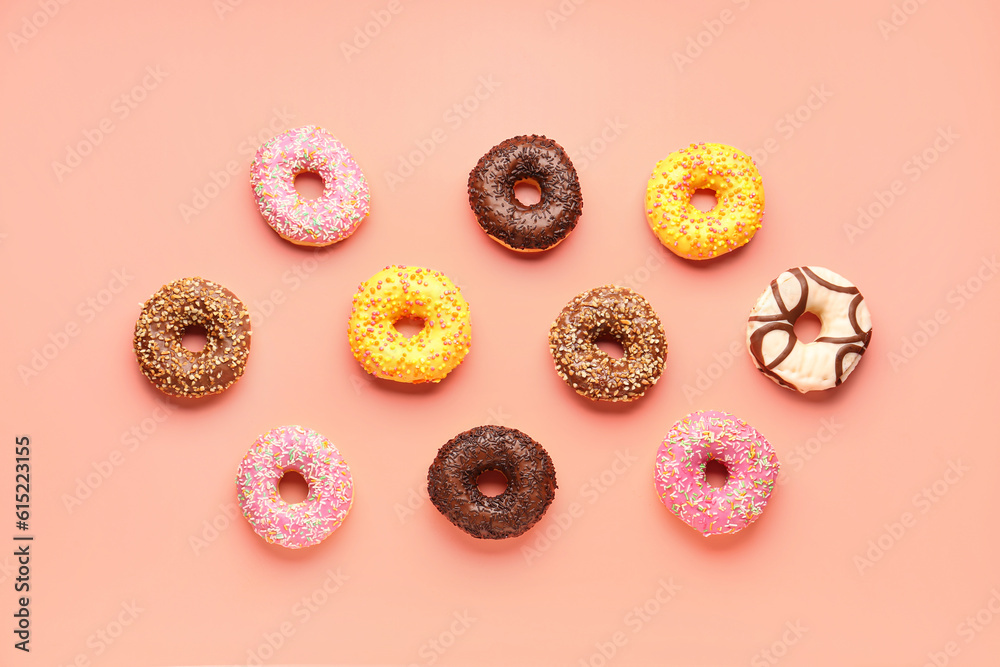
[531,482]
[732,222]
[681,481]
[159,332]
[397,292]
[331,487]
[331,217]
[519,226]
[618,313]
[844,335]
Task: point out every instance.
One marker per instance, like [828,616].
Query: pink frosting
[331,217]
[331,488]
[680,472]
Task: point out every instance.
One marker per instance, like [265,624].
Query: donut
[174,309]
[732,222]
[506,220]
[846,329]
[531,482]
[331,487]
[331,217]
[398,292]
[608,312]
[681,481]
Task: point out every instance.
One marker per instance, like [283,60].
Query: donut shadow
[191,402]
[829,396]
[707,264]
[276,552]
[717,543]
[458,538]
[612,407]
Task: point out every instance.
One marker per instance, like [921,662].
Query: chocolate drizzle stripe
[757,343]
[843,340]
[827,284]
[786,318]
[843,352]
[852,313]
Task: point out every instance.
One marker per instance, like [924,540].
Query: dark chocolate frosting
[519,226]
[531,482]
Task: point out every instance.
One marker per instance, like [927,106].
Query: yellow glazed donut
[694,234]
[397,292]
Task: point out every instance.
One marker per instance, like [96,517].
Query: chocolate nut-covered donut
[522,227]
[159,331]
[531,482]
[608,312]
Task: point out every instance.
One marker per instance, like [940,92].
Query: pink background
[853,562]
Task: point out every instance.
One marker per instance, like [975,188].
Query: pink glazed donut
[331,488]
[680,477]
[330,218]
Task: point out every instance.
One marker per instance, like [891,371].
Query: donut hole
[194,338]
[309,185]
[409,326]
[704,199]
[610,346]
[491,483]
[527,191]
[807,327]
[716,473]
[293,487]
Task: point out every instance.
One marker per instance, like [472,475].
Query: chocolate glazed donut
[159,333]
[620,314]
[531,482]
[506,220]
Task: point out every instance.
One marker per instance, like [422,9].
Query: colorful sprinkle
[331,217]
[681,481]
[331,487]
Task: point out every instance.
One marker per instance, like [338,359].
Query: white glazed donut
[846,329]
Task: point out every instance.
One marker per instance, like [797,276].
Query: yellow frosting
[397,292]
[694,234]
